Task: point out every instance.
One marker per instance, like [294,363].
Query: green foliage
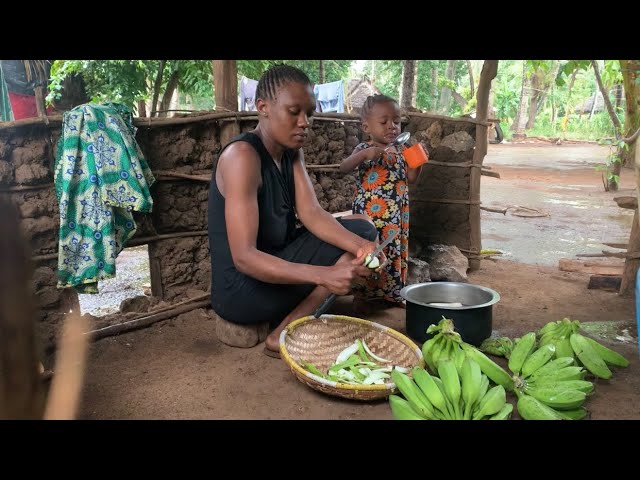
[127,81]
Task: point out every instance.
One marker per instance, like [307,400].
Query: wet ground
[558,180]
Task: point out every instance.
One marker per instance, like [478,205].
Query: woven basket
[320,340]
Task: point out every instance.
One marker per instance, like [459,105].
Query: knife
[332,298]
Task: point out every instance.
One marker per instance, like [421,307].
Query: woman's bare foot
[272,342]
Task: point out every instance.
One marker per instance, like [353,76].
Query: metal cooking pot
[469,306]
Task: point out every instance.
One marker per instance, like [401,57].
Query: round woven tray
[320,340]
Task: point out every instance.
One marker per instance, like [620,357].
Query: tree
[408,86]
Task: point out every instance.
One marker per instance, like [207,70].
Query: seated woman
[264,268]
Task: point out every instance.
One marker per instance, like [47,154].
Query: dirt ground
[177,369]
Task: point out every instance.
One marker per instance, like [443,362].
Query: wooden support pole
[225,80]
[489,71]
[628,284]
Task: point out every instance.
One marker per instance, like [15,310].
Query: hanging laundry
[101,176]
[330,97]
[247,100]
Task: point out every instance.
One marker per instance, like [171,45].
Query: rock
[138,304]
[244,336]
[418,271]
[447,263]
[458,141]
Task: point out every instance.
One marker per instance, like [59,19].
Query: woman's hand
[361,256]
[340,278]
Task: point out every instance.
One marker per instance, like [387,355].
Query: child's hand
[373,153]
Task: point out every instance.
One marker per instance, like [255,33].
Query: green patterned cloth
[100,177]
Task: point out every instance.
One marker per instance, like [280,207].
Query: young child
[382,194]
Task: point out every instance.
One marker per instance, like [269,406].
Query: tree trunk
[613,170]
[618,95]
[519,123]
[445,97]
[536,93]
[225,79]
[434,89]
[630,73]
[172,84]
[321,71]
[156,88]
[489,71]
[472,85]
[407,87]
[142,108]
[414,95]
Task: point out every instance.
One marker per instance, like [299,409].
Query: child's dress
[382,195]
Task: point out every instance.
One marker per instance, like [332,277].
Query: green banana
[531,409]
[550,327]
[490,368]
[401,409]
[580,385]
[558,399]
[537,359]
[555,365]
[504,414]
[451,381]
[589,357]
[491,403]
[566,373]
[563,348]
[522,350]
[471,377]
[413,394]
[608,355]
[484,387]
[576,414]
[430,388]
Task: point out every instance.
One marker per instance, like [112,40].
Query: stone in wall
[184,265]
[185,148]
[180,206]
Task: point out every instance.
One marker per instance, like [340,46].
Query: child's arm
[354,160]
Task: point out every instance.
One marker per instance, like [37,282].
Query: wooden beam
[596,268]
[225,80]
[610,283]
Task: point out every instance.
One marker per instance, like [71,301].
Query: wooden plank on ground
[594,268]
[610,283]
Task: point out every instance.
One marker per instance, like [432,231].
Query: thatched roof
[357,92]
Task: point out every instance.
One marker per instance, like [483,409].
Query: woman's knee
[361,225]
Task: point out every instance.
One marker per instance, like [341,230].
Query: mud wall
[181,153]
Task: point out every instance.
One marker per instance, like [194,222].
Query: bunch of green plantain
[547,389]
[445,344]
[452,396]
[498,346]
[568,342]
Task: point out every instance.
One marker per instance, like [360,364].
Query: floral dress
[382,195]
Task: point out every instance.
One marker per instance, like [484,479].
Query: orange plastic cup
[415,156]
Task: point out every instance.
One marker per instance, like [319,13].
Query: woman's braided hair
[277,76]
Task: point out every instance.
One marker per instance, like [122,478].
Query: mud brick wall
[440,201]
[26,178]
[180,205]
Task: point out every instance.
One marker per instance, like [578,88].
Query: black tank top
[277,221]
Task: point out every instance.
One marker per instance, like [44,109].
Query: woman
[264,269]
